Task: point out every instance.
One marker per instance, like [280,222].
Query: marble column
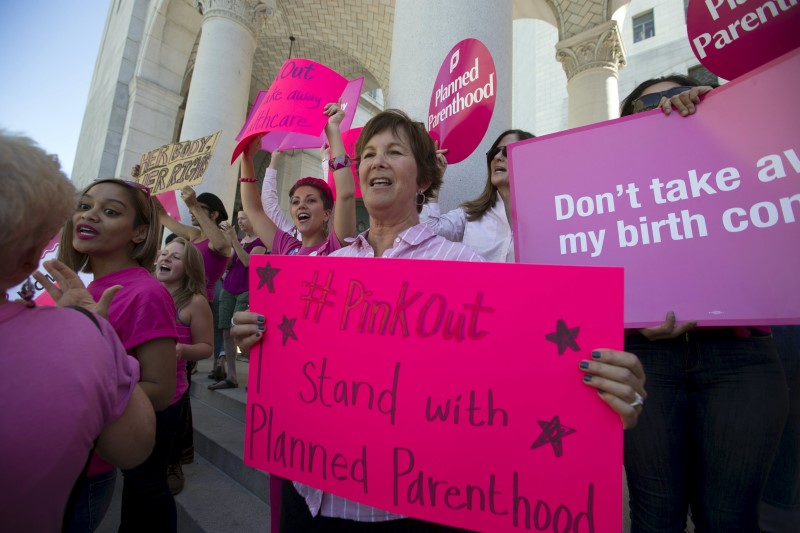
[592,60]
[220,87]
[424,32]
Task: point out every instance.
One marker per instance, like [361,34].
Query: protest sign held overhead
[294,102]
[463,99]
[174,166]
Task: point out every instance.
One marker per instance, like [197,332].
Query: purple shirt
[70,380]
[285,244]
[236,281]
[417,242]
[214,264]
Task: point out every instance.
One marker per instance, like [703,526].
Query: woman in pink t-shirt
[311,201]
[114,235]
[180,269]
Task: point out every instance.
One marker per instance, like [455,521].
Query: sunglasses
[496,150]
[651,101]
[128,183]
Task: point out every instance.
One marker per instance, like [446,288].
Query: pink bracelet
[248,180]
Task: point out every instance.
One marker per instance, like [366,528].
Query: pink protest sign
[349,138]
[463,99]
[701,211]
[294,101]
[427,388]
[731,37]
[249,119]
[283,140]
[40,295]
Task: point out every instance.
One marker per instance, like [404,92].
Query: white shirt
[490,236]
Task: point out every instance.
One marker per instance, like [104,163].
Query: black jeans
[708,433]
[147,502]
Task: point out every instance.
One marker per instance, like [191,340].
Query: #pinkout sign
[731,37]
[463,99]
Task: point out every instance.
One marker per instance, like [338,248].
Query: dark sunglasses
[128,183]
[496,150]
[651,101]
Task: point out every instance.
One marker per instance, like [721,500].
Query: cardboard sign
[174,166]
[349,139]
[703,212]
[294,102]
[429,389]
[284,140]
[731,37]
[463,99]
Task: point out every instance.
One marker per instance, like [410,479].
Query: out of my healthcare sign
[703,212]
[428,389]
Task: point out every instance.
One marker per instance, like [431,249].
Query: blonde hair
[144,253]
[36,197]
[194,274]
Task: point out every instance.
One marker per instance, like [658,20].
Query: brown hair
[144,253]
[429,175]
[320,185]
[476,208]
[194,275]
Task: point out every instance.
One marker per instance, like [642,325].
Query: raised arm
[181,230]
[216,240]
[269,195]
[344,215]
[238,249]
[451,225]
[251,203]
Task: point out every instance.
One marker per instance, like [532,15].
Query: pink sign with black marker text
[429,389]
[703,211]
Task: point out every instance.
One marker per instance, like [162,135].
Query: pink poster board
[475,384]
[731,37]
[462,100]
[284,140]
[294,102]
[722,188]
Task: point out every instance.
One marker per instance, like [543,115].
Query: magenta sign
[731,37]
[463,99]
[703,212]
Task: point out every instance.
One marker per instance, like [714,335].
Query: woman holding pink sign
[398,172]
[483,224]
[717,401]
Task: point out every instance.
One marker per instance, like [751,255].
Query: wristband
[339,162]
[247,180]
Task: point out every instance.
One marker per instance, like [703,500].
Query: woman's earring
[420,198]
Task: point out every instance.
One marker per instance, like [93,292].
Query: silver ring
[233,322]
[638,401]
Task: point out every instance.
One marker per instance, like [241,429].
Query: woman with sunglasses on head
[114,234]
[483,224]
[716,404]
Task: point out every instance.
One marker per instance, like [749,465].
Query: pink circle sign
[463,99]
[731,37]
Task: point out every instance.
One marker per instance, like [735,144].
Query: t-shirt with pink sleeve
[285,244]
[71,379]
[181,380]
[141,311]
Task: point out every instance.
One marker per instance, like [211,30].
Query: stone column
[220,87]
[424,32]
[592,61]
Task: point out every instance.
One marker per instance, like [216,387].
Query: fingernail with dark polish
[587,378]
[261,327]
[260,318]
[584,365]
[596,354]
[258,335]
